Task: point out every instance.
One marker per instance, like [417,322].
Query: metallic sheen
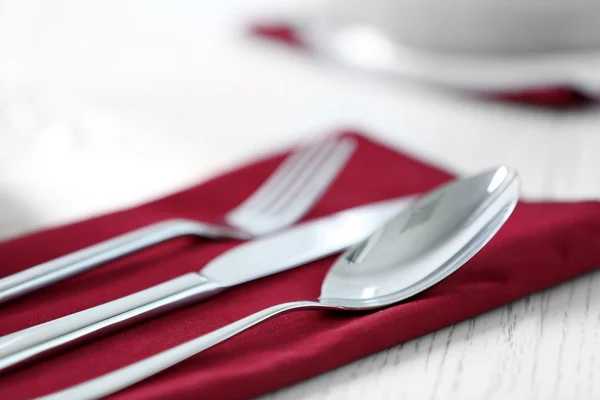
[415,250]
[279,202]
[251,260]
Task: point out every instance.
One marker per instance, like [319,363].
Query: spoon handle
[136,372]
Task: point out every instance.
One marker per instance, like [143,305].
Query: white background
[105,104]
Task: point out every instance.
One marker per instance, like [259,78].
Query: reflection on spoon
[418,248]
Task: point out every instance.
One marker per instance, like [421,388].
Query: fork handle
[44,339]
[89,257]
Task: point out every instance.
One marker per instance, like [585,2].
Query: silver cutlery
[298,245]
[431,239]
[280,201]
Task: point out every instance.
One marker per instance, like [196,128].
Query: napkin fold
[541,245]
[551,97]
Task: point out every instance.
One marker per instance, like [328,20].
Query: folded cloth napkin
[551,97]
[541,245]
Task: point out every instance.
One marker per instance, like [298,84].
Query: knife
[298,245]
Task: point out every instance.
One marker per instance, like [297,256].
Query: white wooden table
[107,104]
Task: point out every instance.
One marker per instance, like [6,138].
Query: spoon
[419,247]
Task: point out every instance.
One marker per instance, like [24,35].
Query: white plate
[370,50]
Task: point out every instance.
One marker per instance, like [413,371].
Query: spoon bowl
[424,244]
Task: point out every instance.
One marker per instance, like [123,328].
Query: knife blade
[296,246]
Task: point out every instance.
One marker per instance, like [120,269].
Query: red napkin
[541,245]
[550,97]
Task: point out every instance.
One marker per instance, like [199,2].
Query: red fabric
[541,245]
[558,97]
[280,32]
[552,97]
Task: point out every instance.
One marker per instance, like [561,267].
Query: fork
[283,199]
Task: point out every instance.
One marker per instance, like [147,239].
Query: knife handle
[41,340]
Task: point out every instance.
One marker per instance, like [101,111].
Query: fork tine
[302,192]
[291,166]
[300,174]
